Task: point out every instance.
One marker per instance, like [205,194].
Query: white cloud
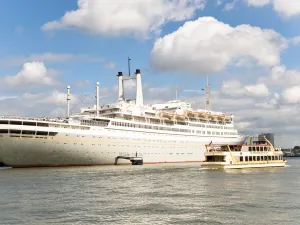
[230,6]
[110,65]
[258,3]
[3,98]
[39,104]
[80,83]
[57,98]
[273,103]
[32,74]
[292,94]
[295,40]
[207,45]
[286,8]
[234,88]
[258,90]
[280,76]
[48,57]
[130,17]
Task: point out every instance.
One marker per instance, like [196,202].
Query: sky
[249,49]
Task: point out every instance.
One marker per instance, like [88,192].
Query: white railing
[43,119]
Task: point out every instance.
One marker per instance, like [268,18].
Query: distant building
[269,136]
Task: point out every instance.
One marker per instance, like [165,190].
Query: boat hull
[71,149]
[244,166]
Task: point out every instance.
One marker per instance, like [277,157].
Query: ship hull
[69,149]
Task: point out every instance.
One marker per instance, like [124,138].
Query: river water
[150,194]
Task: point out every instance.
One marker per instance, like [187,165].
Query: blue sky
[95,47]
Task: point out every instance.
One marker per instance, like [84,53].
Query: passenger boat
[256,154]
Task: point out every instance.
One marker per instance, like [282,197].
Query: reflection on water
[150,194]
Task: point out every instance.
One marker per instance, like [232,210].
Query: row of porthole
[185,135]
[129,146]
[147,153]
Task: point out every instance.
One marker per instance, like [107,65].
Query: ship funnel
[139,89]
[121,89]
[68,101]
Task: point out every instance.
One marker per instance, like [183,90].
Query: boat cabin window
[43,124]
[3,122]
[52,133]
[44,133]
[15,122]
[29,132]
[26,123]
[246,158]
[3,131]
[215,158]
[15,131]
[250,158]
[241,158]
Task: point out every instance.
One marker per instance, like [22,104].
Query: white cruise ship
[160,133]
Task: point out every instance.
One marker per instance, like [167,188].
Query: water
[154,194]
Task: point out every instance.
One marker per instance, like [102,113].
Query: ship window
[246,158]
[43,124]
[3,131]
[25,123]
[52,133]
[241,159]
[31,132]
[16,122]
[15,131]
[45,133]
[250,158]
[3,122]
[265,158]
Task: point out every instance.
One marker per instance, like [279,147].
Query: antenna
[129,65]
[176,94]
[68,101]
[207,96]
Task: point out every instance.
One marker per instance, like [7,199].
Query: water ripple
[156,194]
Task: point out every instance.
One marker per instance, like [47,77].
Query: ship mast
[207,96]
[68,101]
[97,99]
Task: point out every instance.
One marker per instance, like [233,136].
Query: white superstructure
[159,133]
